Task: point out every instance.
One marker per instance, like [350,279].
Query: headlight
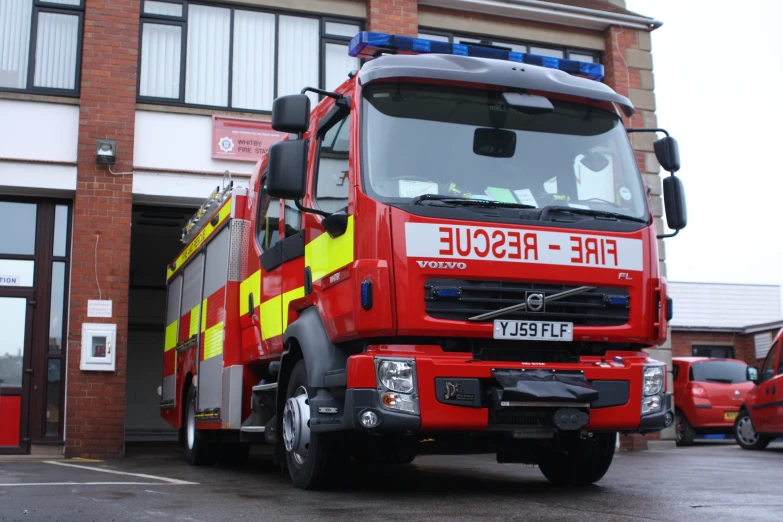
[398,401]
[651,404]
[397,375]
[653,380]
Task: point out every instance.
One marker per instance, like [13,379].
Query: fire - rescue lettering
[432,241]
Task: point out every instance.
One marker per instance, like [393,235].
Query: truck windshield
[729,372]
[469,143]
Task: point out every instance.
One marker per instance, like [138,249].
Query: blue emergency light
[369,45]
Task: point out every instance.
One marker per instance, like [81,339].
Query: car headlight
[397,375]
[651,404]
[653,380]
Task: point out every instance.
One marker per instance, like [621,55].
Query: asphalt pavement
[713,481]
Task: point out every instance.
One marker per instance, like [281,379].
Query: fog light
[369,419]
[651,404]
[668,419]
[400,402]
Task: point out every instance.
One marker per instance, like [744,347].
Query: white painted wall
[176,189]
[36,178]
[39,131]
[180,142]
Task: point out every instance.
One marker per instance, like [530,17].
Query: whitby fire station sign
[242,139]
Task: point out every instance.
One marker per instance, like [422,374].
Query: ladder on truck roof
[207,211]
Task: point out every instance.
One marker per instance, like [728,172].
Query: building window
[40,45]
[238,58]
[720,352]
[518,47]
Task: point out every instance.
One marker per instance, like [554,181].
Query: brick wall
[393,16]
[744,344]
[95,423]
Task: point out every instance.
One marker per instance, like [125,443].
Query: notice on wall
[242,139]
[10,280]
[96,308]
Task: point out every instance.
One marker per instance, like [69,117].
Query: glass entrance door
[15,371]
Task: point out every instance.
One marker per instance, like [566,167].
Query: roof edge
[549,12]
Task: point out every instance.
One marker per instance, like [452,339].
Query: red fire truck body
[335,322]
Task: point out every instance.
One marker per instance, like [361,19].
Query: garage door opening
[154,243]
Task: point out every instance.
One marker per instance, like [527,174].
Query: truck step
[265,387]
[252,429]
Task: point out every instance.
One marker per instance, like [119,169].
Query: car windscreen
[728,372]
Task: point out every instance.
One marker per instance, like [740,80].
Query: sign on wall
[10,280]
[242,139]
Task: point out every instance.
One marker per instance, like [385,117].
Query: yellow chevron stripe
[325,255]
[213,341]
[250,285]
[274,313]
[194,317]
[171,336]
[203,316]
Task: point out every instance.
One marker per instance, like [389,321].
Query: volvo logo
[535,302]
[442,265]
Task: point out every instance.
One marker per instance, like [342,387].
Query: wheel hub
[296,425]
[746,432]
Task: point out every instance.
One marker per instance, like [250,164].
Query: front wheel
[580,462]
[314,459]
[746,434]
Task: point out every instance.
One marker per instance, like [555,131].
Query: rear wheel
[684,434]
[314,459]
[201,451]
[746,434]
[581,462]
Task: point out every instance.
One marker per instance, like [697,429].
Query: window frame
[182,21]
[452,36]
[42,6]
[317,163]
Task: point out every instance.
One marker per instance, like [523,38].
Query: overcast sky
[718,91]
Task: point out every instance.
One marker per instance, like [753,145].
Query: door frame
[25,390]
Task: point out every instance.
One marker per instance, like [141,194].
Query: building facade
[84,245]
[725,320]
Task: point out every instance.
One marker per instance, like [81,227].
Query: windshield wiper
[588,212]
[467,202]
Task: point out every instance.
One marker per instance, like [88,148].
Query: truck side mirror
[668,154]
[752,374]
[287,178]
[291,113]
[674,201]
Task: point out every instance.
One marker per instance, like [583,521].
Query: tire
[746,435]
[201,451]
[314,460]
[581,463]
[684,434]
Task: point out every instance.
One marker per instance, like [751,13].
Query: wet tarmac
[712,481]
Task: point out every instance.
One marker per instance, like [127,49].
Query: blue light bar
[369,45]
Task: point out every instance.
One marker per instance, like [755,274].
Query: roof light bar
[369,45]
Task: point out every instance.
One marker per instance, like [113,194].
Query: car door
[777,390]
[764,407]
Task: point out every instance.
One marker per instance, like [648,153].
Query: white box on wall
[99,342]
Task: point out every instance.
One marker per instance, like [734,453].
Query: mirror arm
[664,236]
[322,92]
[310,210]
[647,129]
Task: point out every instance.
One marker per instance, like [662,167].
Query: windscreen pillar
[400,17]
[628,67]
[95,399]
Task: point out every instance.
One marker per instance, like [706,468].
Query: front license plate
[536,330]
[730,415]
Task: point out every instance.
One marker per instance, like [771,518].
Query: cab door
[769,394]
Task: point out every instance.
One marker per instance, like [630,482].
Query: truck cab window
[331,177]
[267,219]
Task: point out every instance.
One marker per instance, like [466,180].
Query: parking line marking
[180,483]
[140,475]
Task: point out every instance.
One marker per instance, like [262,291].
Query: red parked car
[708,394]
[760,419]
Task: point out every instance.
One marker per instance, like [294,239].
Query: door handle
[766,391]
[774,390]
[28,371]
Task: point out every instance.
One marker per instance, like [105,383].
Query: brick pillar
[628,63]
[393,16]
[95,422]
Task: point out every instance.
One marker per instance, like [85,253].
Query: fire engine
[453,252]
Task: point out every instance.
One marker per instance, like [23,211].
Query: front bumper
[617,376]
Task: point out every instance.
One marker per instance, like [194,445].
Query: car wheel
[314,459]
[684,434]
[581,462]
[201,451]
[746,434]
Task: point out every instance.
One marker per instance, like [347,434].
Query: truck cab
[452,252]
